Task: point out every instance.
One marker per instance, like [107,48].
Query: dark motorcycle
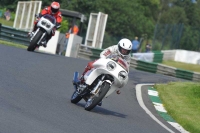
[46,26]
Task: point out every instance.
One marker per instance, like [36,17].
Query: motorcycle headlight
[122,75]
[43,22]
[48,25]
[111,65]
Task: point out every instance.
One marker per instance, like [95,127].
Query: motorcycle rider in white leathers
[122,49]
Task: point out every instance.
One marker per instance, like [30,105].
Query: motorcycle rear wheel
[92,102]
[33,43]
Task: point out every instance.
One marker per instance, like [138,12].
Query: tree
[9,4]
[126,18]
[130,18]
[174,15]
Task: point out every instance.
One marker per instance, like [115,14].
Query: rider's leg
[44,43]
[34,29]
[88,67]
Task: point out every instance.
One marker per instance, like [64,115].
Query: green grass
[7,23]
[13,44]
[10,23]
[185,66]
[182,102]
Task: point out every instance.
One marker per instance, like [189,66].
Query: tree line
[130,18]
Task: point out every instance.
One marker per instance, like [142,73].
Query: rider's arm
[106,52]
[44,11]
[58,20]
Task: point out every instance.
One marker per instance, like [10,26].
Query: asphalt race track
[35,92]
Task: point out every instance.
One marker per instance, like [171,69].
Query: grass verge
[181,65]
[13,44]
[182,101]
[5,22]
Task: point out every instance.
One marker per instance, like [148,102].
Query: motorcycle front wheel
[75,98]
[33,43]
[93,101]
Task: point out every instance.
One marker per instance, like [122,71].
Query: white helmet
[124,47]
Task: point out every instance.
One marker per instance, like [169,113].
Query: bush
[64,26]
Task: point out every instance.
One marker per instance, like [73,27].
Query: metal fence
[25,14]
[13,35]
[176,36]
[167,36]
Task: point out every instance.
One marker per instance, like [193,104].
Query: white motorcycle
[46,26]
[101,81]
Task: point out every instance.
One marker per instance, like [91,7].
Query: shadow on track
[103,111]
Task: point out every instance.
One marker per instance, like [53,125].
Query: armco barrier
[168,54]
[184,74]
[196,76]
[90,53]
[87,52]
[158,56]
[155,56]
[95,53]
[166,70]
[146,66]
[13,35]
[133,63]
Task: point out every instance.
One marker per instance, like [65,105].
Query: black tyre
[92,102]
[33,43]
[75,98]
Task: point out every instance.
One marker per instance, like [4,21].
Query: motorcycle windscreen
[123,64]
[50,18]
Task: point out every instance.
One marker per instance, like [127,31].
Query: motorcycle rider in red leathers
[54,10]
[122,49]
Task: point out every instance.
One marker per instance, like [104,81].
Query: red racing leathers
[57,15]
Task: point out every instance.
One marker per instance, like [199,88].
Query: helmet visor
[124,51]
[54,10]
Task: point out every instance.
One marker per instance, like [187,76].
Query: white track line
[140,101]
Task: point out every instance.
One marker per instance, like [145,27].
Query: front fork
[34,34]
[43,35]
[96,89]
[40,38]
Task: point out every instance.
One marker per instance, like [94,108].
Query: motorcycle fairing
[49,22]
[100,68]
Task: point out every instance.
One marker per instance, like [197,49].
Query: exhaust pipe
[75,78]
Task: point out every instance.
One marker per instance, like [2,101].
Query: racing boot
[81,87]
[82,80]
[100,103]
[44,43]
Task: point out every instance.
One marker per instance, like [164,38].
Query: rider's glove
[38,16]
[114,58]
[58,25]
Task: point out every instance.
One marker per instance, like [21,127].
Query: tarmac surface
[35,92]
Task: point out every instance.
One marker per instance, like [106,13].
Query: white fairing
[100,67]
[46,24]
